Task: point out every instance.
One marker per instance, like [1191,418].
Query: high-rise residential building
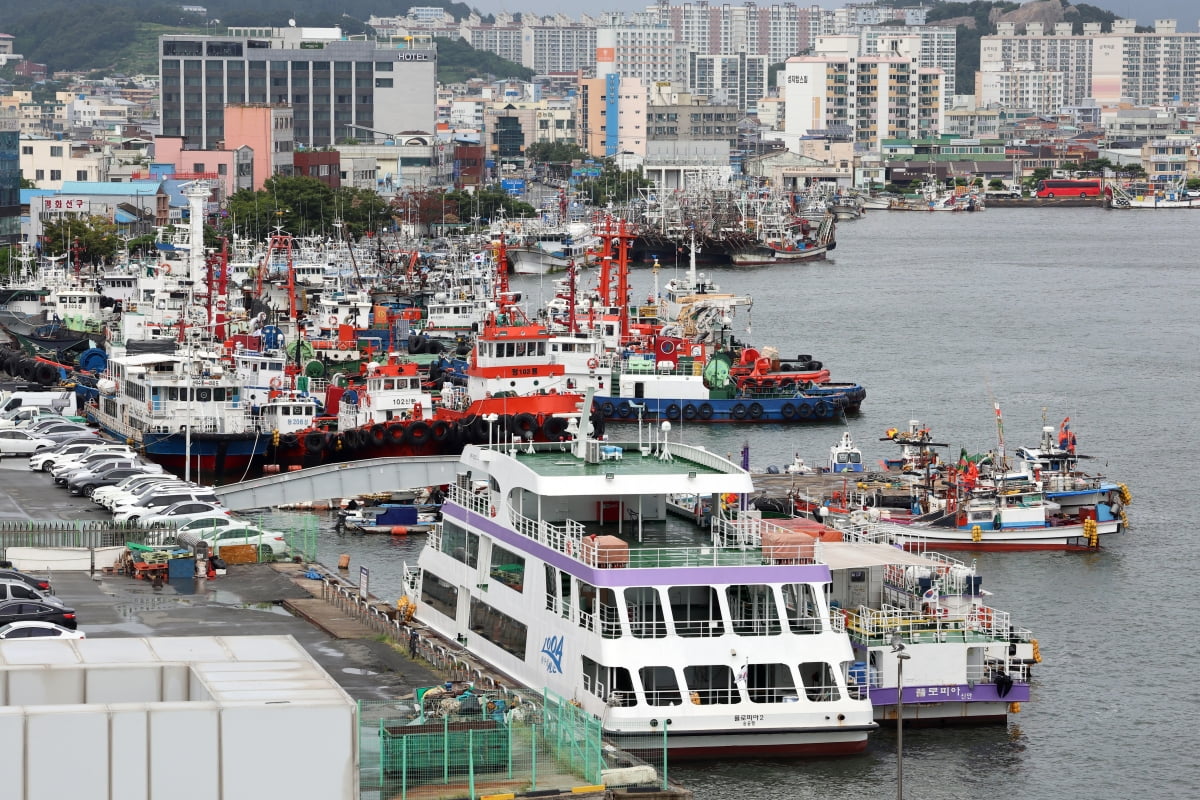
[502,37]
[844,91]
[939,47]
[639,48]
[1036,91]
[1157,67]
[338,88]
[555,45]
[739,80]
[10,177]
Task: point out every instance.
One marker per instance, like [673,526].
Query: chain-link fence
[458,740]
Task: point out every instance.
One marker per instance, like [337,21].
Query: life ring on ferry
[333,320]
[593,362]
[569,548]
[165,267]
[343,346]
[492,511]
[277,383]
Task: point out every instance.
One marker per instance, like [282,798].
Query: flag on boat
[742,673]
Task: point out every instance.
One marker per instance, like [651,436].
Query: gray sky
[1186,12]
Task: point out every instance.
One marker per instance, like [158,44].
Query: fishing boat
[557,564]
[844,456]
[392,519]
[541,249]
[984,504]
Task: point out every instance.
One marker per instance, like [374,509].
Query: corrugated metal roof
[104,188]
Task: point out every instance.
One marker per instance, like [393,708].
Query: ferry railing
[477,501]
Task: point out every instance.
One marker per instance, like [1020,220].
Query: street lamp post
[901,657]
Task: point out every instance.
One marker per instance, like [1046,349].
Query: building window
[39,175]
[81,175]
[26,150]
[222,169]
[56,151]
[56,174]
[383,83]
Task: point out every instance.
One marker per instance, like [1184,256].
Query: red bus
[1055,187]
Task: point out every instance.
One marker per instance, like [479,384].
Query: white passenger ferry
[556,564]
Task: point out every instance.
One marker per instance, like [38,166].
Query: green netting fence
[468,742]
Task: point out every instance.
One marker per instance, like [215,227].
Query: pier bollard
[344,561]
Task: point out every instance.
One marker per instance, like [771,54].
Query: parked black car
[18,610]
[32,580]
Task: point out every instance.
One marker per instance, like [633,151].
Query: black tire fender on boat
[821,409]
[673,411]
[44,373]
[804,409]
[756,411]
[788,411]
[705,411]
[624,409]
[395,433]
[553,428]
[289,440]
[738,411]
[522,424]
[314,441]
[416,344]
[378,434]
[607,409]
[689,411]
[441,430]
[418,432]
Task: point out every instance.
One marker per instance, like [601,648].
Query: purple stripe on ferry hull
[981,693]
[619,577]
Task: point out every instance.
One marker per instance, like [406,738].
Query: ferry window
[172,393]
[770,683]
[611,684]
[498,628]
[541,348]
[696,610]
[711,684]
[819,683]
[661,686]
[520,348]
[564,582]
[803,613]
[219,394]
[752,610]
[389,384]
[551,586]
[508,568]
[460,544]
[646,620]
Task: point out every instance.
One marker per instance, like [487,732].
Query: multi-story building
[558,45]
[337,88]
[1144,68]
[1023,86]
[738,80]
[269,131]
[93,115]
[50,162]
[502,37]
[972,122]
[776,31]
[939,46]
[509,128]
[10,177]
[882,96]
[322,165]
[639,48]
[610,115]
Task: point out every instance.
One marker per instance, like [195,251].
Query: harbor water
[1051,313]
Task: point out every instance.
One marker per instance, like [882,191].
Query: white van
[56,399]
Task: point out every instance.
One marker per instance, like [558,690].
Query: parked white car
[44,462]
[16,441]
[271,544]
[156,502]
[37,629]
[185,511]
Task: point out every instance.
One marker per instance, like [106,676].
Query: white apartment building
[639,48]
[939,47]
[467,113]
[558,45]
[1023,86]
[50,162]
[738,80]
[1146,69]
[883,96]
[99,113]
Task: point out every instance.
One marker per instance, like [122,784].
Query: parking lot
[245,601]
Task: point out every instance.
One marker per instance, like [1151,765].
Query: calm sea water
[1066,312]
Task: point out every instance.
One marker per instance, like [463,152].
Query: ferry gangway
[348,479]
